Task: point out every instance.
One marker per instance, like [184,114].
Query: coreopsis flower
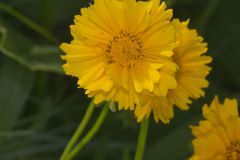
[218,136]
[190,77]
[118,47]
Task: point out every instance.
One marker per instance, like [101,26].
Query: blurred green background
[40,107]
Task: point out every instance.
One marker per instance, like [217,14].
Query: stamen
[233,151]
[125,49]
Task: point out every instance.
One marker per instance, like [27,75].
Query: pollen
[233,151]
[124,49]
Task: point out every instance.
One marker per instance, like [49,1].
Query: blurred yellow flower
[118,47]
[218,137]
[190,76]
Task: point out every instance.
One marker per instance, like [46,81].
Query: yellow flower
[118,47]
[190,76]
[218,137]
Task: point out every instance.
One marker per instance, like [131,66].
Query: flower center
[125,49]
[233,151]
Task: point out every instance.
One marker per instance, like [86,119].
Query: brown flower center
[125,49]
[233,151]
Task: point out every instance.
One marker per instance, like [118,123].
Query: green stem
[31,24]
[90,134]
[79,131]
[142,140]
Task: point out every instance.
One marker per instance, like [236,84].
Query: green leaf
[28,22]
[177,140]
[27,53]
[223,36]
[16,83]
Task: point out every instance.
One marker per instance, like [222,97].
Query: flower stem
[90,134]
[31,24]
[79,131]
[142,140]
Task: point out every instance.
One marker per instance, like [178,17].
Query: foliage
[40,107]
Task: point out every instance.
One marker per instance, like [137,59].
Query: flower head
[118,47]
[189,76]
[218,137]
